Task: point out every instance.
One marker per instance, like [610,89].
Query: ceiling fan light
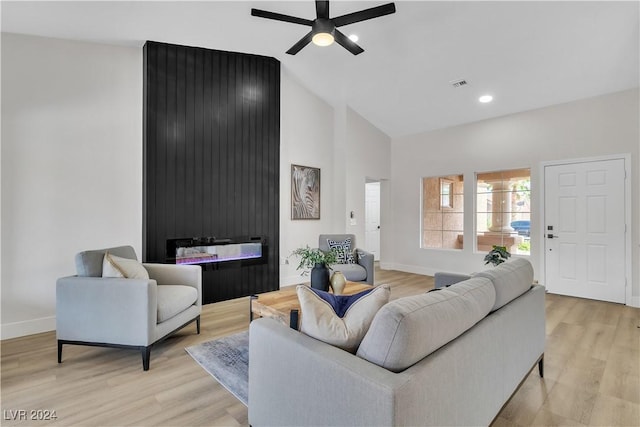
[322,39]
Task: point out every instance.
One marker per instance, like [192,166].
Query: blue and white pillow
[344,254]
[340,320]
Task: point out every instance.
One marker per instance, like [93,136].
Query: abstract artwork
[305,192]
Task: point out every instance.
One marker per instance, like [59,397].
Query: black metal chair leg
[541,367]
[146,356]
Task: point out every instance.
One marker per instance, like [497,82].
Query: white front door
[372,219]
[585,229]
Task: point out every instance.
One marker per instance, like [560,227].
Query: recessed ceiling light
[353,38]
[485,98]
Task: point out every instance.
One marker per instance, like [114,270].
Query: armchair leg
[541,366]
[146,356]
[59,351]
[198,325]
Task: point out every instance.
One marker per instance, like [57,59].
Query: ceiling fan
[324,29]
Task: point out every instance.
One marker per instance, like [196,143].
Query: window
[442,212]
[446,193]
[503,214]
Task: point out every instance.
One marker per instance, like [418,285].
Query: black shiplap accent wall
[212,157]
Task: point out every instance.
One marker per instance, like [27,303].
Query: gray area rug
[227,360]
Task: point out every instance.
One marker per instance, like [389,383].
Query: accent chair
[357,269]
[125,312]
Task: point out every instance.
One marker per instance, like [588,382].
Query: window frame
[476,212]
[446,213]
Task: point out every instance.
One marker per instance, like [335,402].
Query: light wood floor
[592,372]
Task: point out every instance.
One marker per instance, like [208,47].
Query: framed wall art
[305,192]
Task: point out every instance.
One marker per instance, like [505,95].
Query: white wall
[347,148]
[367,157]
[598,126]
[306,138]
[71,166]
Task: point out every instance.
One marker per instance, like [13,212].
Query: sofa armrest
[106,310]
[288,370]
[365,259]
[171,274]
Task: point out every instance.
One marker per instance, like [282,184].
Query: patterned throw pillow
[344,254]
[340,320]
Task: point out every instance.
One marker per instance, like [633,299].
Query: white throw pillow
[114,266]
[320,320]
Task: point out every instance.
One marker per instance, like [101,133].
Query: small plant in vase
[319,262]
[497,255]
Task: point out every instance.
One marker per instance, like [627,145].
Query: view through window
[442,212]
[503,214]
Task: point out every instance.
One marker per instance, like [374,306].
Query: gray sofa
[362,270]
[451,357]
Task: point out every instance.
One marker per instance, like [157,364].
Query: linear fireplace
[213,253]
[217,172]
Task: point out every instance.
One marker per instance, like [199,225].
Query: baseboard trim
[27,327]
[386,265]
[293,280]
[408,268]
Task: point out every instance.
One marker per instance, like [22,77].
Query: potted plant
[319,262]
[497,255]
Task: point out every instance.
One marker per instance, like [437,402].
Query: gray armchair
[362,270]
[125,313]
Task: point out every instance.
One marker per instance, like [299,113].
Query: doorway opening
[372,218]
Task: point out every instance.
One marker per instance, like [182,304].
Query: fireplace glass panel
[218,253]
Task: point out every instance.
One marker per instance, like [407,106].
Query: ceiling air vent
[458,83]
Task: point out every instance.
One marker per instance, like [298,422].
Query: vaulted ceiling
[526,54]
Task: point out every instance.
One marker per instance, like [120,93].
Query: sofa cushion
[174,299]
[89,263]
[352,272]
[115,266]
[320,320]
[510,279]
[408,329]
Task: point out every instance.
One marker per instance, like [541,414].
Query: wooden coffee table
[283,305]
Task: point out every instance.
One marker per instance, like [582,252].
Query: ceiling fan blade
[280,17]
[363,15]
[347,43]
[301,43]
[322,9]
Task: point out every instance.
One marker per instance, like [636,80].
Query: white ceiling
[526,54]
